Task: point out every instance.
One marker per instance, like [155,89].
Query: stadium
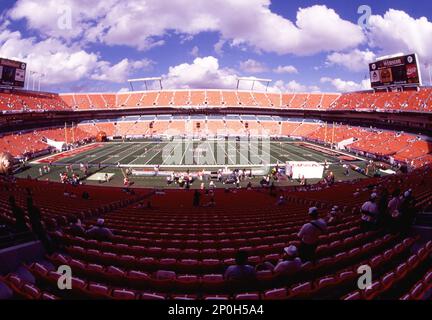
[208,193]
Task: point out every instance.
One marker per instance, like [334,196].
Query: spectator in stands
[369,211]
[290,264]
[394,205]
[281,201]
[241,271]
[309,235]
[37,227]
[407,211]
[356,193]
[196,199]
[19,215]
[211,203]
[99,232]
[334,215]
[212,185]
[76,227]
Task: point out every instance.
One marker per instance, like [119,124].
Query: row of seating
[22,101]
[408,101]
[200,98]
[401,275]
[419,101]
[175,251]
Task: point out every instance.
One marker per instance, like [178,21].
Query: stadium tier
[165,252]
[420,101]
[96,194]
[409,101]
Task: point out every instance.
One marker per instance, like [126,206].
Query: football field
[112,158]
[193,154]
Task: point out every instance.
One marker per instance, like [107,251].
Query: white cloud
[143,24]
[285,69]
[346,86]
[292,86]
[218,47]
[206,73]
[397,31]
[202,73]
[120,71]
[62,63]
[355,60]
[252,66]
[194,52]
[58,62]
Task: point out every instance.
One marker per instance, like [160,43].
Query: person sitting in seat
[100,232]
[196,198]
[290,264]
[76,227]
[241,271]
[334,216]
[309,235]
[369,212]
[281,201]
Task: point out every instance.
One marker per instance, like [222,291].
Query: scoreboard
[397,71]
[12,73]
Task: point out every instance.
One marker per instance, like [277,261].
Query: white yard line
[178,144]
[107,154]
[130,153]
[293,155]
[156,144]
[157,153]
[241,154]
[211,149]
[184,153]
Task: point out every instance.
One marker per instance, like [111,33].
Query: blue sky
[301,45]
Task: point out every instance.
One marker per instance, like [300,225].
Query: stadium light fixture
[145,80]
[39,80]
[253,80]
[429,66]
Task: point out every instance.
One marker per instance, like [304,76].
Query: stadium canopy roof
[253,80]
[145,80]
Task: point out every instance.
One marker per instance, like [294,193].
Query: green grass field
[195,153]
[180,155]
